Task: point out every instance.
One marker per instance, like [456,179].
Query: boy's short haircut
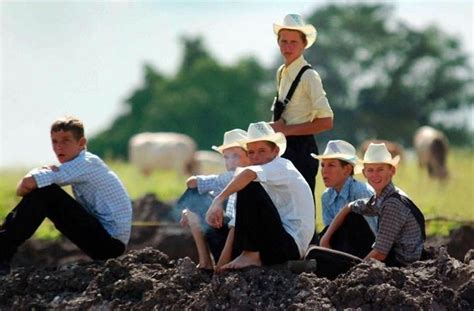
[344,163]
[69,124]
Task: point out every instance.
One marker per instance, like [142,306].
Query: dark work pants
[354,236]
[68,216]
[258,227]
[298,151]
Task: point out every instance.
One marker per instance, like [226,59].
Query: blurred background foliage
[382,78]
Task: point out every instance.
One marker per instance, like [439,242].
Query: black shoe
[4,268]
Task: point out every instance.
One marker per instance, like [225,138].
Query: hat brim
[308,30]
[393,162]
[278,138]
[221,148]
[354,161]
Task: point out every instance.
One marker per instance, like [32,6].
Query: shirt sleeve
[313,85]
[270,172]
[362,206]
[216,183]
[327,215]
[74,171]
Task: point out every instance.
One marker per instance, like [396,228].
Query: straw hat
[378,153]
[262,131]
[295,22]
[231,139]
[341,150]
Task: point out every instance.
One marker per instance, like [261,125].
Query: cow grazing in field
[207,163]
[392,147]
[162,151]
[431,148]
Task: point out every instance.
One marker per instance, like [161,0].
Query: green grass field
[452,199]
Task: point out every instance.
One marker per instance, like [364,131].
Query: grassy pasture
[451,199]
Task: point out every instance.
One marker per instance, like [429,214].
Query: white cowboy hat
[341,150]
[295,22]
[262,131]
[378,153]
[231,139]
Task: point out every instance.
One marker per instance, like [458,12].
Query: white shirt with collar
[292,197]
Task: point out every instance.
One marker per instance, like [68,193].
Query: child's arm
[26,185]
[215,213]
[335,224]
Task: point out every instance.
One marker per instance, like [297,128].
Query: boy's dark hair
[344,163]
[71,124]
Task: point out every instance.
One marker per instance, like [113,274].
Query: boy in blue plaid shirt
[98,220]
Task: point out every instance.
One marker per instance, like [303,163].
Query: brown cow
[431,148]
[392,147]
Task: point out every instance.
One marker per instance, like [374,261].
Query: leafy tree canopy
[203,100]
[383,79]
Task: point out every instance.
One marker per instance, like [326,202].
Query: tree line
[383,80]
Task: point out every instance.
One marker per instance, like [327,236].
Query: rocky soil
[159,272]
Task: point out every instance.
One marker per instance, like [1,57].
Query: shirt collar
[388,190]
[295,66]
[344,193]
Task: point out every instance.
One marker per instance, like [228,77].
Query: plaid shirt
[99,191]
[214,184]
[398,228]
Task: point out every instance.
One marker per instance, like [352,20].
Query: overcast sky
[84,58]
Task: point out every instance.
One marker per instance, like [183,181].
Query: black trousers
[258,227]
[298,150]
[68,216]
[354,236]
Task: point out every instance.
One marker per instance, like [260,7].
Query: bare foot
[246,259]
[205,266]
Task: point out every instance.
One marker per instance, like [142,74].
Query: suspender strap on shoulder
[415,211]
[295,83]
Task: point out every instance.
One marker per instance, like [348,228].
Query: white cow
[207,163]
[431,148]
[161,151]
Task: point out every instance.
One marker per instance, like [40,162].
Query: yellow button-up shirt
[309,99]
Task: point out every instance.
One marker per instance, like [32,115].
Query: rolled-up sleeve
[314,87]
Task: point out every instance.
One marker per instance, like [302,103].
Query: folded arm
[316,126]
[215,213]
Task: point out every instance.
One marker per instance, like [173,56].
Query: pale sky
[84,58]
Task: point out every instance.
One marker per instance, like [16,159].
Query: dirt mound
[147,279]
[56,275]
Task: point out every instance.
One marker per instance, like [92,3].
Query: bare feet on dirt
[246,259]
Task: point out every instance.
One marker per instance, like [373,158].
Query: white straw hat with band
[296,22]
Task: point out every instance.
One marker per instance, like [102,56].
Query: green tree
[203,100]
[383,79]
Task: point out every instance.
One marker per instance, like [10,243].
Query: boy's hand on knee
[215,214]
